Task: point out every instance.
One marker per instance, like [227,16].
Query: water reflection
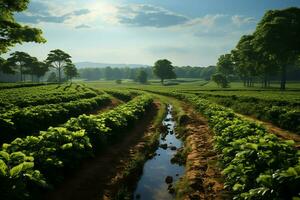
[152,185]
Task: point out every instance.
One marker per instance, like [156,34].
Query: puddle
[152,184]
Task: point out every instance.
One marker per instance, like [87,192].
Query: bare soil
[202,172]
[93,179]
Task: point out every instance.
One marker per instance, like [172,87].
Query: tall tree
[142,77]
[2,65]
[71,71]
[164,70]
[225,65]
[39,69]
[220,79]
[277,35]
[12,32]
[18,62]
[58,59]
[245,59]
[52,77]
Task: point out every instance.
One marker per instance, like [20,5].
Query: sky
[186,32]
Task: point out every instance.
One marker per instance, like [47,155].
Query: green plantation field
[164,100]
[48,131]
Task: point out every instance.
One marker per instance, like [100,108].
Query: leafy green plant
[17,175]
[55,151]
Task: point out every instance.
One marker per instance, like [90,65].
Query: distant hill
[82,65]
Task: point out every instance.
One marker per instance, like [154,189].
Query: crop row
[38,96]
[121,94]
[256,164]
[283,114]
[21,85]
[30,119]
[38,162]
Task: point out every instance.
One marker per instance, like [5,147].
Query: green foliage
[35,118]
[220,79]
[71,71]
[142,77]
[24,64]
[27,110]
[164,70]
[131,73]
[59,60]
[17,175]
[52,77]
[62,148]
[38,69]
[263,54]
[12,32]
[52,94]
[119,81]
[225,65]
[281,112]
[257,164]
[123,95]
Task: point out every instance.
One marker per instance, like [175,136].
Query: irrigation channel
[159,174]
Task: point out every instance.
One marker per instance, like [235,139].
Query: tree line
[22,63]
[110,73]
[272,52]
[12,33]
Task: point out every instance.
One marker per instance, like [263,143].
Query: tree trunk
[21,72]
[59,75]
[162,81]
[283,78]
[266,83]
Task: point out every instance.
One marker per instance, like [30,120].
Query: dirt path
[90,180]
[202,178]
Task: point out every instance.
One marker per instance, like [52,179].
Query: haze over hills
[82,65]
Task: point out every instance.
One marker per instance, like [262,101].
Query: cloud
[81,12]
[207,20]
[82,26]
[144,15]
[44,12]
[239,20]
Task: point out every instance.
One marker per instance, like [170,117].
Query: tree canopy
[142,76]
[18,62]
[164,70]
[220,79]
[225,65]
[277,36]
[272,49]
[11,32]
[70,71]
[58,59]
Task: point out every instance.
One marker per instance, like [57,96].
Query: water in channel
[152,185]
